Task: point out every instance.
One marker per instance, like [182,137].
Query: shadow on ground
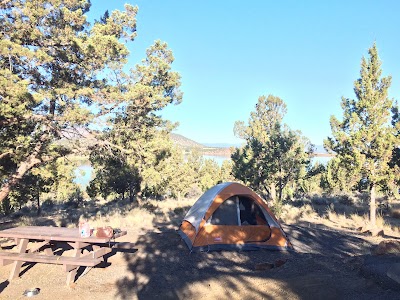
[323,267]
[319,239]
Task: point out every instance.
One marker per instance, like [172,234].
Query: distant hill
[184,142]
[222,145]
[320,149]
[223,149]
[189,144]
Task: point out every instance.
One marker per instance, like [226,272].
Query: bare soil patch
[327,264]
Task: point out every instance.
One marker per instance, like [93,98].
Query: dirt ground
[326,264]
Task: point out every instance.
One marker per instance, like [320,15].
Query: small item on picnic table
[84,229]
[104,232]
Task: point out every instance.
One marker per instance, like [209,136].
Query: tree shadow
[164,268]
[319,239]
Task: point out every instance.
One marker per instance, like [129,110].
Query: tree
[226,171]
[310,180]
[209,174]
[182,178]
[337,178]
[273,154]
[112,175]
[55,67]
[394,182]
[138,135]
[364,139]
[53,176]
[60,76]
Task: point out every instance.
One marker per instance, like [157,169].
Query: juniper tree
[59,74]
[364,139]
[138,134]
[273,154]
[396,126]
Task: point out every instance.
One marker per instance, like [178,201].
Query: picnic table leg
[100,252]
[71,274]
[77,253]
[22,245]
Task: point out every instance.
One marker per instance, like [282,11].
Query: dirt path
[327,264]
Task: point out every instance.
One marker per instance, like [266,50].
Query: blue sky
[231,52]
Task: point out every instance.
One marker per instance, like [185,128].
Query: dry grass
[339,214]
[136,218]
[292,214]
[359,221]
[148,215]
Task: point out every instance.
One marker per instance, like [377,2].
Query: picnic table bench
[41,238]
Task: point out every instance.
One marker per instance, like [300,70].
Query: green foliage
[364,140]
[60,74]
[137,144]
[112,176]
[225,174]
[310,182]
[338,179]
[209,174]
[395,161]
[53,176]
[54,67]
[273,155]
[28,189]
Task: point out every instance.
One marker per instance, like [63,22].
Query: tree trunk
[131,192]
[372,207]
[17,176]
[280,191]
[272,192]
[25,166]
[39,209]
[139,198]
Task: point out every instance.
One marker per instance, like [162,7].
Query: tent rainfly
[232,216]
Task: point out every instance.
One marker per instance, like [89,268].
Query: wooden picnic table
[34,244]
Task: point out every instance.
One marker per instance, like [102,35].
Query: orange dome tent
[230,215]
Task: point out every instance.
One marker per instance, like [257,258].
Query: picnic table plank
[85,261]
[53,233]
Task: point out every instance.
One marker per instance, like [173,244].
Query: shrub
[395,213]
[277,209]
[179,210]
[319,200]
[346,200]
[48,203]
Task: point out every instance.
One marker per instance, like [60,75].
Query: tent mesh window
[250,212]
[225,214]
[230,210]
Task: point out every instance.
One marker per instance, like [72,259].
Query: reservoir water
[84,173]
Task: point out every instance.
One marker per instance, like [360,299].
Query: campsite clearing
[332,259]
[328,264]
